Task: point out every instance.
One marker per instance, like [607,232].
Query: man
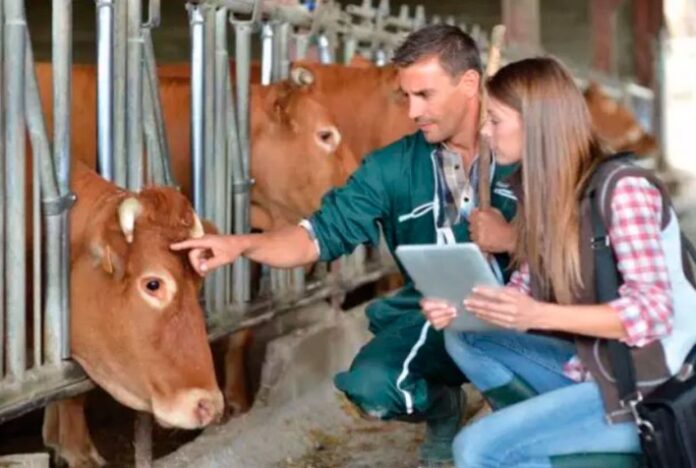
[419,190]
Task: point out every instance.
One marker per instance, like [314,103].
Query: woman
[550,396]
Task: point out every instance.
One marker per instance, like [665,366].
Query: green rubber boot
[513,392]
[442,424]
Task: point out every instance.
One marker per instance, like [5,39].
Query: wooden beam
[522,24]
[602,29]
[647,21]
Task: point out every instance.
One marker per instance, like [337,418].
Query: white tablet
[449,272]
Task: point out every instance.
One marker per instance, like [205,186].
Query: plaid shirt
[458,190]
[645,302]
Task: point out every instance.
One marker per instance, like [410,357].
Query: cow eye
[153,285]
[325,136]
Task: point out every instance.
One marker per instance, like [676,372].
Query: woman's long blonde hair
[559,151]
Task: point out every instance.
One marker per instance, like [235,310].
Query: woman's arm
[641,314]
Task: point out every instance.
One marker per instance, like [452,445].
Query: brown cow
[137,327]
[366,105]
[615,124]
[297,153]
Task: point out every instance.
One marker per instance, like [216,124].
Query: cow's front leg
[65,431]
[236,389]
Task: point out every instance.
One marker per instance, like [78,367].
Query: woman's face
[503,128]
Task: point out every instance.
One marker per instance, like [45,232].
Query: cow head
[615,125]
[298,152]
[137,326]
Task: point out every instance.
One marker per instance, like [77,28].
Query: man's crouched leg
[387,380]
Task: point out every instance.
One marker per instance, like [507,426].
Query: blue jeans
[567,417]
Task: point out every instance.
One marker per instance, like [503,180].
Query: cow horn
[128,211]
[197,229]
[300,76]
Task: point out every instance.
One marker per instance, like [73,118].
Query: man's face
[437,101]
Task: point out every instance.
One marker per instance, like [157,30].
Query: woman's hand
[506,308]
[439,313]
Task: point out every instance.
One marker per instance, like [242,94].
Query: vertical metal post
[234,171]
[267,53]
[37,286]
[325,52]
[3,200]
[62,97]
[143,440]
[134,97]
[222,204]
[281,55]
[301,46]
[242,289]
[197,101]
[209,106]
[15,246]
[105,75]
[53,313]
[120,163]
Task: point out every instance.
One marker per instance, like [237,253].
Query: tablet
[449,272]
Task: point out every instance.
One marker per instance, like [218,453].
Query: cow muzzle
[190,409]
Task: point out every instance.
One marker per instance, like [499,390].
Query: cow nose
[208,410]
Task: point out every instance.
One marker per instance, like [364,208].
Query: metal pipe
[2,194]
[120,163]
[197,96]
[325,53]
[54,206]
[242,288]
[209,106]
[143,440]
[62,98]
[222,204]
[155,159]
[15,145]
[234,170]
[36,240]
[350,45]
[105,75]
[150,70]
[301,46]
[134,97]
[266,54]
[282,55]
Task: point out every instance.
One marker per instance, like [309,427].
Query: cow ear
[108,259]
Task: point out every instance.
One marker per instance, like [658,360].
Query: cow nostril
[205,411]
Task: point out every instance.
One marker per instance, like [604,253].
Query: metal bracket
[60,205]
[154,15]
[242,186]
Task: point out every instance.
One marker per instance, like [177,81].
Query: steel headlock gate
[133,151]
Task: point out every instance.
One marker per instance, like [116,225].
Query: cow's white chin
[189,409]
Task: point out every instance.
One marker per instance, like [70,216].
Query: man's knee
[372,387]
[469,450]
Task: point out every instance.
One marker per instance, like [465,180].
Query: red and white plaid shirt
[645,302]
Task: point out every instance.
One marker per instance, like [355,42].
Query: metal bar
[243,31]
[134,97]
[222,204]
[234,169]
[150,66]
[143,440]
[266,54]
[155,158]
[282,55]
[209,109]
[105,75]
[301,46]
[15,209]
[119,93]
[62,98]
[325,53]
[2,193]
[50,196]
[197,114]
[36,246]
